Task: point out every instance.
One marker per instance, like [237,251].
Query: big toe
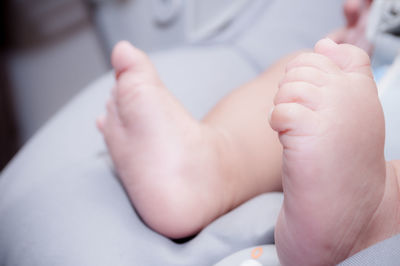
[348,57]
[126,58]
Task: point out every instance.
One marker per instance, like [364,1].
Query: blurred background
[52,49]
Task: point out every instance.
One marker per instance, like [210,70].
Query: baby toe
[306,74]
[299,92]
[315,60]
[348,57]
[293,119]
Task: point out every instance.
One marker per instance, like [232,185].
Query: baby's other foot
[169,163]
[331,126]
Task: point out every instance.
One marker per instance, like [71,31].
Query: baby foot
[331,126]
[169,163]
[357,14]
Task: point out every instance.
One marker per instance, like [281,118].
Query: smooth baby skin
[331,126]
